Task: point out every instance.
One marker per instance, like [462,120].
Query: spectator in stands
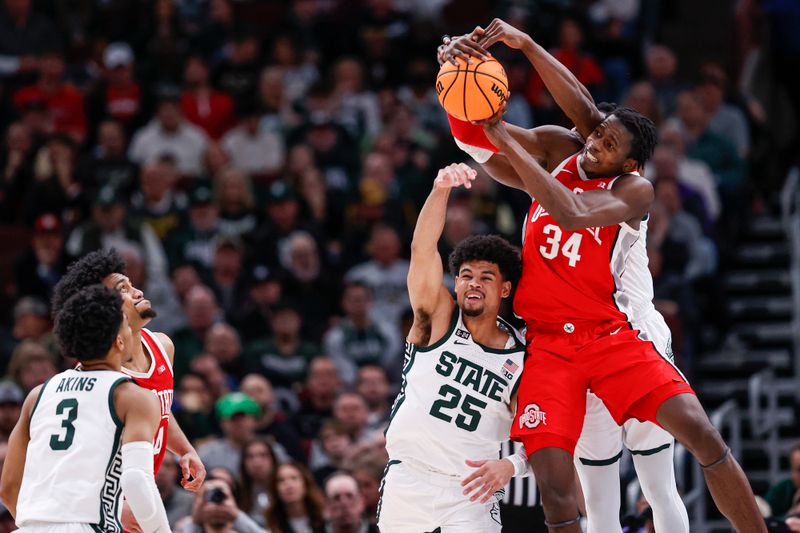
[64,101]
[202,313]
[226,278]
[177,502]
[110,227]
[254,147]
[170,133]
[108,163]
[642,98]
[367,469]
[56,187]
[285,357]
[194,242]
[24,35]
[236,202]
[373,386]
[16,164]
[194,406]
[385,273]
[11,398]
[351,410]
[786,494]
[256,474]
[237,74]
[219,383]
[313,291]
[298,75]
[32,322]
[223,342]
[318,206]
[664,166]
[335,153]
[201,104]
[237,414]
[345,506]
[692,173]
[163,43]
[215,510]
[330,450]
[278,113]
[38,270]
[273,421]
[662,67]
[379,194]
[703,144]
[726,120]
[322,386]
[298,503]
[354,107]
[358,339]
[283,219]
[117,95]
[254,317]
[157,202]
[31,364]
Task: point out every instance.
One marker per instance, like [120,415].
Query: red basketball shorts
[628,366]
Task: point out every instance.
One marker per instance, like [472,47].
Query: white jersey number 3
[570,249]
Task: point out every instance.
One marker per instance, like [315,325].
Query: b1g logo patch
[532,416]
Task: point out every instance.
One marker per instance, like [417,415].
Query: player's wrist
[518,465]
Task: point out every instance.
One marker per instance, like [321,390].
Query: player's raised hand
[462,47]
[494,127]
[455,175]
[502,31]
[490,476]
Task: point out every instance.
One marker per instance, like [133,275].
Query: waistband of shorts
[431,475]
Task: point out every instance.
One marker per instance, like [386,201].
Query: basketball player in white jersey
[150,363]
[85,436]
[460,375]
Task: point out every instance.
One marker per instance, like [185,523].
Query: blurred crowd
[260,165]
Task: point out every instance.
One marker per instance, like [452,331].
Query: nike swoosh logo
[615,332]
[464,343]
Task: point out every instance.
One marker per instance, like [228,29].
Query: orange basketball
[472,92]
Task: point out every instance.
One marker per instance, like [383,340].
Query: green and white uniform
[453,405]
[73,464]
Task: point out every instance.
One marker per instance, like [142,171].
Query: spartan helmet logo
[532,416]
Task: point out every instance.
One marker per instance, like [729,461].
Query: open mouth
[473,296]
[590,157]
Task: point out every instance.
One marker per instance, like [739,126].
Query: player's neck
[140,362]
[98,364]
[484,330]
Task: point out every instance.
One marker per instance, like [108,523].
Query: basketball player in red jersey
[150,365]
[585,292]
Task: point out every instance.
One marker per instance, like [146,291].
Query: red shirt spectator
[64,102]
[569,54]
[203,106]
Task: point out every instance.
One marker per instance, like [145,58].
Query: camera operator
[215,511]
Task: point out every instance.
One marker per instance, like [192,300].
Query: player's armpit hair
[641,129]
[90,269]
[88,323]
[490,248]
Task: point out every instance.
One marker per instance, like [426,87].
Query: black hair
[491,248]
[642,130]
[90,269]
[88,323]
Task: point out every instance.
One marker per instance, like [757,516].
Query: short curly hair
[491,248]
[90,269]
[88,323]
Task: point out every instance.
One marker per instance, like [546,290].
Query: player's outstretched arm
[628,200]
[140,413]
[570,94]
[425,275]
[14,465]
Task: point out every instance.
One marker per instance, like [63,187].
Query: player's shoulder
[128,394]
[632,181]
[164,342]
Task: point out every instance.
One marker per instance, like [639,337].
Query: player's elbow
[7,493]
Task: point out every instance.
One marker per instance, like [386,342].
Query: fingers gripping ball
[472,91]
